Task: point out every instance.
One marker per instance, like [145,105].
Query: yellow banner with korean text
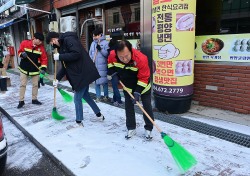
[173,38]
[231,48]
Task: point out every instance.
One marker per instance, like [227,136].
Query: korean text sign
[231,48]
[173,39]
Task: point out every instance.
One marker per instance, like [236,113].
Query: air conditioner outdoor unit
[53,26]
[68,24]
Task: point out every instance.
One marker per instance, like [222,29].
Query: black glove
[136,97]
[43,70]
[42,74]
[98,47]
[23,55]
[40,82]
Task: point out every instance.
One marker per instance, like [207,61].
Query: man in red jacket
[34,50]
[132,68]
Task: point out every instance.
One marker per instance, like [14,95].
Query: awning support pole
[33,9]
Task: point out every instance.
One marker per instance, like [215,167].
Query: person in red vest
[132,68]
[35,51]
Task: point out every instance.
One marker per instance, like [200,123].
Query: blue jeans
[116,92]
[84,93]
[98,90]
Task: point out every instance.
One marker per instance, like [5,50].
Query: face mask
[55,46]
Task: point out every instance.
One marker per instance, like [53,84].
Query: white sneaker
[130,134]
[97,119]
[148,135]
[105,99]
[97,100]
[117,104]
[76,125]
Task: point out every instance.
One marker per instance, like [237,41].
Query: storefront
[123,22]
[221,64]
[13,23]
[222,61]
[119,20]
[222,67]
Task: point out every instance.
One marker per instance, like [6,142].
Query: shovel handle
[55,79]
[140,106]
[38,68]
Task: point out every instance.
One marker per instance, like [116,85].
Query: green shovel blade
[66,96]
[56,115]
[182,157]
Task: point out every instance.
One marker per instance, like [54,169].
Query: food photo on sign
[183,68]
[212,46]
[241,45]
[185,22]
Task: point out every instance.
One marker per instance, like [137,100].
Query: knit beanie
[39,36]
[51,35]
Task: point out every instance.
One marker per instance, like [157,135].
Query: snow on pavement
[99,148]
[22,154]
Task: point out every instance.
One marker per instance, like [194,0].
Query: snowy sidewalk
[100,147]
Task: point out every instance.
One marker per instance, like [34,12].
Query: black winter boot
[21,104]
[36,102]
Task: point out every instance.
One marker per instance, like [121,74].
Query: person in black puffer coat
[78,68]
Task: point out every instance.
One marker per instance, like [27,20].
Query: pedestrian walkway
[210,120]
[101,149]
[213,113]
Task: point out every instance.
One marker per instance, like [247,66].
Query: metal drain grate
[228,135]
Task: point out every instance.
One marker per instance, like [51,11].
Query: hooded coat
[101,60]
[76,63]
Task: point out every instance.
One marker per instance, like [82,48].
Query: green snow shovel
[182,157]
[55,114]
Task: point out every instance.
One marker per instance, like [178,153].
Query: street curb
[38,144]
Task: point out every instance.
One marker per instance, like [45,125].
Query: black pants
[3,84]
[130,111]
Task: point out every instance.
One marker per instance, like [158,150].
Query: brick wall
[64,3]
[224,86]
[45,5]
[39,4]
[82,17]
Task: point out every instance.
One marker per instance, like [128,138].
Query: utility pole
[28,22]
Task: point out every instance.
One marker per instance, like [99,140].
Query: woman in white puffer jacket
[99,53]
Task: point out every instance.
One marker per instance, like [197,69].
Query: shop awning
[6,24]
[9,23]
[7,5]
[19,2]
[11,3]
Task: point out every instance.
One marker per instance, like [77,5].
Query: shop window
[245,5]
[116,17]
[137,14]
[215,17]
[123,22]
[235,7]
[226,7]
